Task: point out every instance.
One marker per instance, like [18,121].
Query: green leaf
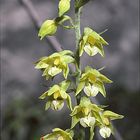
[101,50]
[65,84]
[69,104]
[53,89]
[44,95]
[48,28]
[74,121]
[68,59]
[62,19]
[41,65]
[63,94]
[45,72]
[48,104]
[101,88]
[64,6]
[85,101]
[82,44]
[87,31]
[66,52]
[81,3]
[112,115]
[80,87]
[96,108]
[66,71]
[104,79]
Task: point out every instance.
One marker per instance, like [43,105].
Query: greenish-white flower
[91,42]
[92,82]
[86,113]
[56,96]
[57,134]
[105,132]
[55,64]
[105,125]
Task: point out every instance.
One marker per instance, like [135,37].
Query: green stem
[78,36]
[81,132]
[91,133]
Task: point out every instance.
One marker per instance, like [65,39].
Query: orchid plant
[83,84]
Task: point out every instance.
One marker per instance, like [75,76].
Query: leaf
[85,101]
[80,87]
[82,44]
[63,94]
[103,78]
[48,28]
[53,89]
[66,71]
[101,88]
[74,121]
[69,104]
[68,59]
[48,104]
[103,41]
[75,110]
[64,6]
[87,30]
[41,65]
[62,19]
[81,3]
[96,108]
[66,52]
[101,50]
[65,84]
[112,115]
[44,95]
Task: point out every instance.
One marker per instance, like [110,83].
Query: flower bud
[49,27]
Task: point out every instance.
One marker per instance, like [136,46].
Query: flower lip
[60,138]
[105,132]
[56,94]
[57,104]
[91,90]
[57,61]
[87,121]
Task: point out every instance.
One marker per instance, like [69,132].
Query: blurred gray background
[23,115]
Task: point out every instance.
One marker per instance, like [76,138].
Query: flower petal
[105,132]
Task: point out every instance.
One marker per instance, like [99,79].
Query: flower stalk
[80,132]
[88,82]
